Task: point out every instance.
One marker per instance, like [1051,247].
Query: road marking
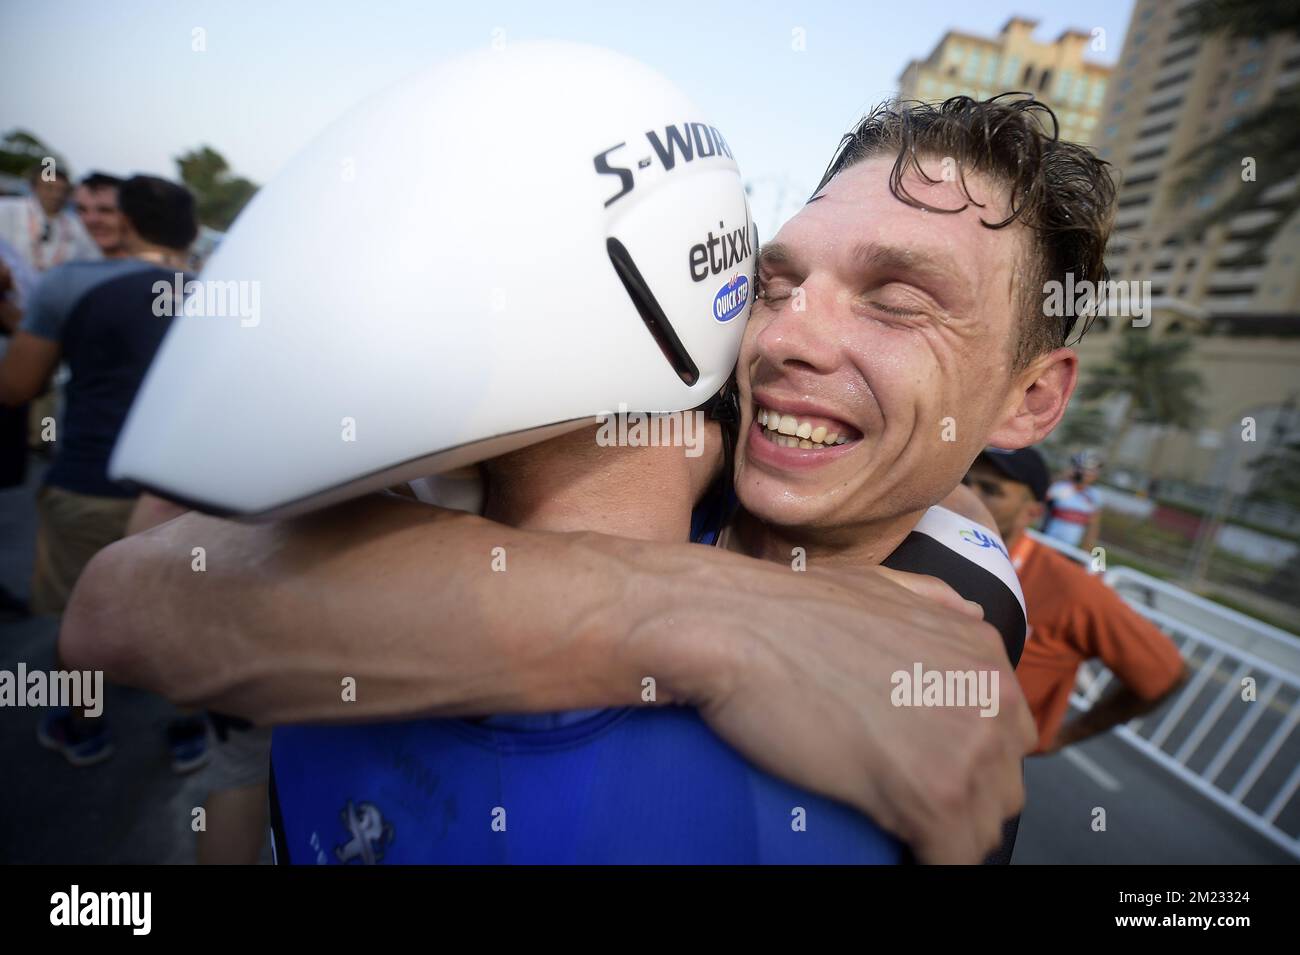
[1090,769]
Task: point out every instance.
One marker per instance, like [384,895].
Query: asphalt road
[1151,816]
[130,809]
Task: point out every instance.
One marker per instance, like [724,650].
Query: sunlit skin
[1011,503]
[908,318]
[98,211]
[52,194]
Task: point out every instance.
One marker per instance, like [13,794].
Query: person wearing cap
[1073,504]
[1073,616]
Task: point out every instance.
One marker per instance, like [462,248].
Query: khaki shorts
[73,528]
[42,407]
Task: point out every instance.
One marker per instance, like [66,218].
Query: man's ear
[1037,400]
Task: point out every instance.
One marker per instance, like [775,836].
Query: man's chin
[781,507]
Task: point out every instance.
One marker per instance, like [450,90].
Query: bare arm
[10,315]
[1116,707]
[1094,531]
[26,367]
[403,598]
[381,590]
[150,511]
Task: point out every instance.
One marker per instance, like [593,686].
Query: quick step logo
[731,299]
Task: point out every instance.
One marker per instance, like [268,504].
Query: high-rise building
[1235,287]
[1173,91]
[1054,72]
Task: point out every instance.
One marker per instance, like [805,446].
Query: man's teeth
[788,431]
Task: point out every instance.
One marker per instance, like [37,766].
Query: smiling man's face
[893,329]
[101,217]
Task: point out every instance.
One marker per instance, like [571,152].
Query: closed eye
[892,310]
[771,290]
[897,300]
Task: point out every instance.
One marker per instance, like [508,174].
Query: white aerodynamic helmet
[484,256]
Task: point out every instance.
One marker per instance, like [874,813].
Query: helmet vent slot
[651,312]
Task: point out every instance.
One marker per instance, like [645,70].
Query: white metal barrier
[1243,631]
[1242,754]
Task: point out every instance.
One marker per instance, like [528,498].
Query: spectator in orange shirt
[1073,616]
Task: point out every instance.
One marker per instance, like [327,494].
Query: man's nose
[800,334]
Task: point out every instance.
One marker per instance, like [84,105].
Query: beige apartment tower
[1056,73]
[1236,288]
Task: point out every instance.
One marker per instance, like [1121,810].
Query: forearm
[150,511]
[1090,537]
[400,597]
[10,315]
[1115,708]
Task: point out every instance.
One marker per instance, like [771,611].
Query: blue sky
[116,85]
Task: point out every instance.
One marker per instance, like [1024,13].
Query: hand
[932,588]
[806,694]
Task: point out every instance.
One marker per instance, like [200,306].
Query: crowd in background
[81,324]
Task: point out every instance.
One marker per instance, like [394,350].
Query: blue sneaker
[187,741]
[56,731]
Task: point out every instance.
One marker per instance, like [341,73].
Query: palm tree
[20,150]
[1277,469]
[1084,426]
[219,195]
[1277,475]
[1242,18]
[1160,389]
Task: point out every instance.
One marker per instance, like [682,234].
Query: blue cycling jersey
[651,786]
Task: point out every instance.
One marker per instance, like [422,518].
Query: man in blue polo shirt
[99,317]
